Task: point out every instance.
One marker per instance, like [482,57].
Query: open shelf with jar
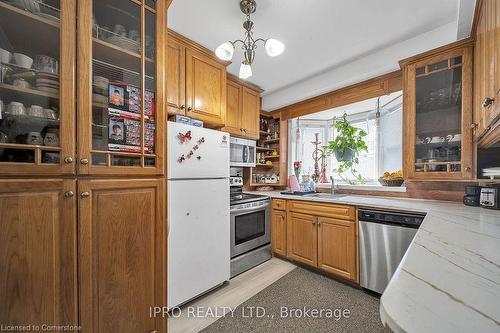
[121,39]
[270,169]
[37,109]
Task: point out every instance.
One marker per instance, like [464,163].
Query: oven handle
[245,210]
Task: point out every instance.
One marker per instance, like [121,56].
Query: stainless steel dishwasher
[384,237]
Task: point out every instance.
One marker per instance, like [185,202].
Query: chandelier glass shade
[272,46]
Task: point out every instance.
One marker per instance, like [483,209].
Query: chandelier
[226,50]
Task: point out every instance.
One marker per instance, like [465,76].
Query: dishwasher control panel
[405,219]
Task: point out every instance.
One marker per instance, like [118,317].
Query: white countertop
[449,279]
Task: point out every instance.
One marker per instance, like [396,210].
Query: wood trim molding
[195,46]
[247,84]
[431,53]
[477,14]
[374,87]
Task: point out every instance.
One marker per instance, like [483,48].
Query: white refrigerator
[198,211]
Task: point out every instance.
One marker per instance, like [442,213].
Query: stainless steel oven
[250,235]
[242,152]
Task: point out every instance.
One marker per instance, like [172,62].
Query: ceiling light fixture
[226,50]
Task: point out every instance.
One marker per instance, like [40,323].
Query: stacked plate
[47,82]
[491,173]
[124,42]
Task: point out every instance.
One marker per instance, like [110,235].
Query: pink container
[293,183]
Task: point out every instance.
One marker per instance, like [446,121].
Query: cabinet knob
[190,109]
[314,224]
[487,102]
[245,130]
[69,194]
[84,161]
[183,107]
[468,169]
[241,129]
[68,159]
[84,194]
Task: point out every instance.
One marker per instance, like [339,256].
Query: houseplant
[346,146]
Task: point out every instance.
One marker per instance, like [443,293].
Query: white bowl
[23,60]
[5,56]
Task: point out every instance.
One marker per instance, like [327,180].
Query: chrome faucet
[333,185]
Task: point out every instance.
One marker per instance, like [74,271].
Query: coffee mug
[16,109]
[5,56]
[51,139]
[34,138]
[21,83]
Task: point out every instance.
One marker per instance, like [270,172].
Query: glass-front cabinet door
[37,87]
[121,57]
[440,116]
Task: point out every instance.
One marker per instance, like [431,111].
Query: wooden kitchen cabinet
[322,235]
[302,238]
[205,88]
[121,91]
[242,109]
[278,232]
[38,252]
[196,82]
[38,137]
[337,247]
[437,88]
[176,76]
[487,74]
[122,239]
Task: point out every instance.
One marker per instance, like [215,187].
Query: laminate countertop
[449,278]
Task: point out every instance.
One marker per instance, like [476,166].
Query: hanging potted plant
[346,146]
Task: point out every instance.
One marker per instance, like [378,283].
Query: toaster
[490,197]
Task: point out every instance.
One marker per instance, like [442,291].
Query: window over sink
[381,120]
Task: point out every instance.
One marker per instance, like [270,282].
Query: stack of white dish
[491,173]
[124,42]
[47,82]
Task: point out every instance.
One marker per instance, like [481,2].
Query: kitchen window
[384,138]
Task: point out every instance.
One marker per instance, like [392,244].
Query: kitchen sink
[329,195]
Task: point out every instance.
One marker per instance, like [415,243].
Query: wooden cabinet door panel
[205,88]
[250,113]
[337,247]
[176,58]
[38,253]
[302,238]
[278,232]
[234,106]
[122,255]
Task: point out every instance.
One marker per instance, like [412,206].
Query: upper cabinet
[487,73]
[438,113]
[37,87]
[121,86]
[242,109]
[196,84]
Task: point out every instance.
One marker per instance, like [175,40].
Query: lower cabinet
[278,231]
[337,247]
[302,238]
[38,258]
[122,238]
[317,234]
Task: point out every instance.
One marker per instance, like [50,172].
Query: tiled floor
[232,294]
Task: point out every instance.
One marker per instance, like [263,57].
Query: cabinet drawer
[279,204]
[326,210]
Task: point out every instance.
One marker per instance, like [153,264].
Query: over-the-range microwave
[242,152]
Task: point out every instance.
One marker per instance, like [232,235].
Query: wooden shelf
[263,165]
[266,142]
[272,156]
[264,184]
[117,56]
[29,147]
[28,91]
[33,34]
[265,149]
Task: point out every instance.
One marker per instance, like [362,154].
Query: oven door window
[249,226]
